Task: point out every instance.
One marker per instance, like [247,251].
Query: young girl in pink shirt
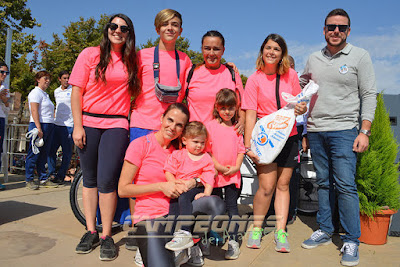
[227,150]
[189,163]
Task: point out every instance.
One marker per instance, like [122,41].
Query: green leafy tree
[15,15]
[377,173]
[244,79]
[182,44]
[61,54]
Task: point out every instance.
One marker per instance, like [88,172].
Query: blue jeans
[62,137]
[39,160]
[2,134]
[335,165]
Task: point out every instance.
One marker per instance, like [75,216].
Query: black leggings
[102,157]
[152,246]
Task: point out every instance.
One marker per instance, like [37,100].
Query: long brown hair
[128,56]
[226,98]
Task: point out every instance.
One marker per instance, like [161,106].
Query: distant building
[392,103]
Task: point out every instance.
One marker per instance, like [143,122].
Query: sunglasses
[4,72]
[114,26]
[332,27]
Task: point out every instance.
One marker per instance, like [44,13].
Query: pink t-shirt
[183,167]
[112,98]
[204,86]
[260,92]
[148,109]
[147,154]
[225,145]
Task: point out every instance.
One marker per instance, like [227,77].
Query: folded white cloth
[36,142]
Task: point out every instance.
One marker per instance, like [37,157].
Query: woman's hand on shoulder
[239,126]
[231,64]
[79,137]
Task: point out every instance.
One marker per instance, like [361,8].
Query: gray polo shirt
[346,89]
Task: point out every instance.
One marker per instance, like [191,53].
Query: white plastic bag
[271,132]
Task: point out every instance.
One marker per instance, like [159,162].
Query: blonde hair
[284,64]
[226,98]
[194,129]
[165,15]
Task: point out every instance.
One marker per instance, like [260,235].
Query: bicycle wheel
[75,197]
[76,202]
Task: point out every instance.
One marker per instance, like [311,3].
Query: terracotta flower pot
[374,230]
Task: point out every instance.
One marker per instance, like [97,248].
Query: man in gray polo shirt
[347,91]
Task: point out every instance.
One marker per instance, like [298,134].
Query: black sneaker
[108,251]
[88,242]
[131,242]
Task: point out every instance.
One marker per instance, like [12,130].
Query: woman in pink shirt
[103,81]
[143,177]
[272,77]
[208,78]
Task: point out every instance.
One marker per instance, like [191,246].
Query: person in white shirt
[64,125]
[4,96]
[42,118]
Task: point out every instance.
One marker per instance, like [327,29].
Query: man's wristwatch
[366,132]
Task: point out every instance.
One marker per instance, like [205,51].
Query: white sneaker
[138,259]
[233,251]
[182,240]
[181,257]
[196,256]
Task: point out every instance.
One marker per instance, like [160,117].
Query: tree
[61,54]
[244,79]
[377,171]
[17,16]
[182,44]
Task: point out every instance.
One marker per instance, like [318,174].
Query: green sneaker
[31,185]
[254,240]
[280,239]
[47,183]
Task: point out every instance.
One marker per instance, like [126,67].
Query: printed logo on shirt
[343,69]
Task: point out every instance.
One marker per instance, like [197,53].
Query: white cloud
[384,48]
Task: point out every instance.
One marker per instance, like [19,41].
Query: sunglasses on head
[332,27]
[4,72]
[114,26]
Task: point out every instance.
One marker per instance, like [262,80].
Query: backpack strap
[232,72]
[189,77]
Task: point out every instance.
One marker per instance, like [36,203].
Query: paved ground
[37,228]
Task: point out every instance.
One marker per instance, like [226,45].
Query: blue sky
[245,24]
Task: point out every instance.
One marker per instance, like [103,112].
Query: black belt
[108,116]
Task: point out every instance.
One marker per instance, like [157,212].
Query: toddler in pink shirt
[188,163]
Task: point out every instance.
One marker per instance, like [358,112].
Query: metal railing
[16,148]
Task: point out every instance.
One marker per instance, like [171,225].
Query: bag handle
[156,64]
[278,100]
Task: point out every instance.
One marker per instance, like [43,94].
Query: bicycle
[75,200]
